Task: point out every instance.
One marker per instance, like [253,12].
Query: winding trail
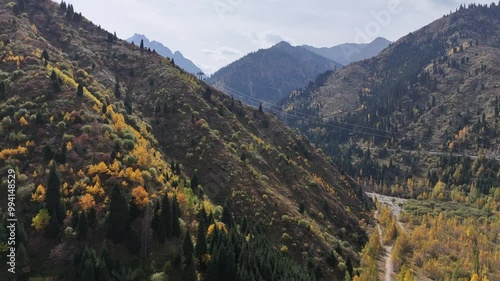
[393,203]
[387,256]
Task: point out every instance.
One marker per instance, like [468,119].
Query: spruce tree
[188,248]
[53,193]
[81,228]
[165,223]
[201,241]
[142,44]
[88,272]
[176,225]
[79,90]
[227,217]
[155,222]
[45,55]
[348,265]
[118,216]
[54,227]
[53,75]
[189,273]
[194,182]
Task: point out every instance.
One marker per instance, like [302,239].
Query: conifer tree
[88,272]
[118,216]
[348,265]
[194,182]
[176,226]
[81,228]
[142,44]
[53,193]
[54,227]
[201,241]
[165,223]
[227,216]
[45,55]
[188,248]
[79,90]
[155,222]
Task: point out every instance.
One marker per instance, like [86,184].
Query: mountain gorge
[419,121]
[129,168]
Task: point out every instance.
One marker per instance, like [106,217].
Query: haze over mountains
[164,51]
[270,74]
[351,52]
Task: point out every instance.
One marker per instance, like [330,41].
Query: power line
[278,110]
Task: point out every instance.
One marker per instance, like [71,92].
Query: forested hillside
[128,168]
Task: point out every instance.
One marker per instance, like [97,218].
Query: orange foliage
[140,196]
[87,202]
[96,189]
[7,153]
[39,195]
[220,226]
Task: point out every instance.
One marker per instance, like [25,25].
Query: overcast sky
[213,33]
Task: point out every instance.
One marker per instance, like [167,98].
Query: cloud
[220,56]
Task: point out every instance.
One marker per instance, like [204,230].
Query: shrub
[129,160]
[61,126]
[286,218]
[128,144]
[20,113]
[68,137]
[17,74]
[303,223]
[285,236]
[284,249]
[159,276]
[6,121]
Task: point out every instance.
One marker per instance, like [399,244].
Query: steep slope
[270,74]
[350,52]
[115,131]
[164,51]
[428,87]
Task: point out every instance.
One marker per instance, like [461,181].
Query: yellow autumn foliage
[39,195]
[41,220]
[220,226]
[100,168]
[9,152]
[140,196]
[87,202]
[22,121]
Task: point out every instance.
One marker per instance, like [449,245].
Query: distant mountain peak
[283,44]
[270,74]
[164,51]
[351,52]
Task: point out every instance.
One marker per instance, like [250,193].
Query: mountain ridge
[101,132]
[164,51]
[347,53]
[268,74]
